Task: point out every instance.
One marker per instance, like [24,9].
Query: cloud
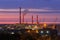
[7,16]
[25,10]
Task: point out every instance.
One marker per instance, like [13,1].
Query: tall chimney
[19,15]
[37,19]
[24,13]
[32,19]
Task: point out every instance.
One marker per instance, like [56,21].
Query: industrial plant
[26,31]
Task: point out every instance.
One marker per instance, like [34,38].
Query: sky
[49,9]
[49,4]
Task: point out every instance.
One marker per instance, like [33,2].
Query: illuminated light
[47,31]
[45,25]
[12,33]
[36,27]
[33,29]
[42,31]
[29,26]
[37,31]
[53,27]
[8,27]
[28,31]
[12,28]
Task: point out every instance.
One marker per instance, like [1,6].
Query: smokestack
[19,15]
[32,19]
[37,19]
[24,13]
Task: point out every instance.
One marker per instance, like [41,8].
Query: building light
[37,31]
[36,27]
[47,31]
[12,33]
[45,25]
[42,31]
[28,31]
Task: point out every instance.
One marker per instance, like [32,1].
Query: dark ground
[21,37]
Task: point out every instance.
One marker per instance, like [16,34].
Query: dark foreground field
[24,37]
[58,37]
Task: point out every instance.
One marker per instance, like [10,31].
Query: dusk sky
[50,4]
[46,9]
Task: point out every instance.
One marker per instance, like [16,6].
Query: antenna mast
[32,19]
[37,19]
[19,15]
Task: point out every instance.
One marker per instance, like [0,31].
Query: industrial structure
[32,31]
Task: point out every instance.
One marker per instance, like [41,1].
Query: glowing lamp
[37,31]
[12,33]
[28,31]
[42,31]
[45,25]
[47,31]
